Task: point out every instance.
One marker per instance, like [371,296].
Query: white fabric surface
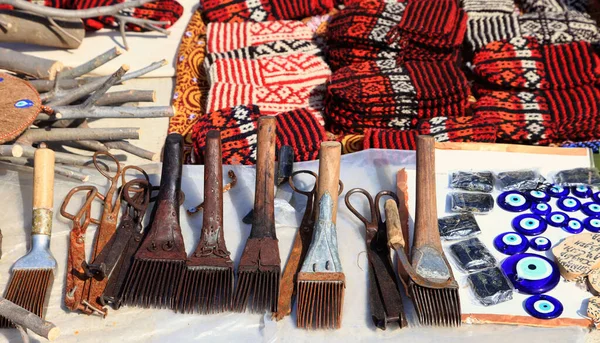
[144,47]
[373,170]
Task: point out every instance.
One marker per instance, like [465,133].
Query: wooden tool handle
[426,226]
[329,174]
[263,221]
[212,221]
[394,228]
[170,178]
[43,179]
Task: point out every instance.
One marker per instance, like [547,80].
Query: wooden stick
[37,67]
[28,320]
[143,71]
[122,97]
[60,157]
[134,150]
[91,64]
[6,150]
[34,29]
[23,161]
[145,23]
[87,145]
[53,135]
[77,112]
[48,85]
[79,14]
[111,81]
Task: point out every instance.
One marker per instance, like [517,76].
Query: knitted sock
[272,100]
[299,70]
[277,48]
[222,37]
[547,28]
[65,4]
[461,129]
[488,7]
[238,125]
[522,62]
[553,5]
[163,10]
[262,10]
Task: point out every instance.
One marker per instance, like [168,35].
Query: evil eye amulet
[592,224]
[596,197]
[537,196]
[591,209]
[540,243]
[543,307]
[557,219]
[569,204]
[557,191]
[581,191]
[531,273]
[541,208]
[529,224]
[573,226]
[511,243]
[25,103]
[513,201]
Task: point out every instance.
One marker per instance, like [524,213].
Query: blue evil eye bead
[25,103]
[573,226]
[513,201]
[591,209]
[541,208]
[568,204]
[557,219]
[540,243]
[511,243]
[543,307]
[592,224]
[1,79]
[596,197]
[529,224]
[581,191]
[531,273]
[557,191]
[537,196]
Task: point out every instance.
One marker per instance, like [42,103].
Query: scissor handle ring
[92,194]
[101,170]
[354,210]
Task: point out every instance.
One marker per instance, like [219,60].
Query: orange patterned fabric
[191,85]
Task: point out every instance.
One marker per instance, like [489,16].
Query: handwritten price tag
[578,255]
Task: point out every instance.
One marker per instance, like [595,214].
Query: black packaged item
[458,226]
[577,177]
[472,181]
[490,286]
[519,180]
[472,255]
[471,202]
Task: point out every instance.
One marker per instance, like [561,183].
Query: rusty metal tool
[207,285]
[384,295]
[226,188]
[432,286]
[321,281]
[114,261]
[33,274]
[300,246]
[159,263]
[260,265]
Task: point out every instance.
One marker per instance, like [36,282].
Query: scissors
[384,294]
[301,244]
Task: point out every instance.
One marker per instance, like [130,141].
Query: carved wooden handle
[43,179]
[263,222]
[329,174]
[394,228]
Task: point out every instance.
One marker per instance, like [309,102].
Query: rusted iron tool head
[33,274]
[260,265]
[321,281]
[159,263]
[207,286]
[384,295]
[226,188]
[299,248]
[432,286]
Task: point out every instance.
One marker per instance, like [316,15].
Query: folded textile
[488,7]
[553,5]
[546,27]
[272,100]
[299,70]
[542,117]
[262,10]
[443,129]
[222,37]
[238,125]
[524,63]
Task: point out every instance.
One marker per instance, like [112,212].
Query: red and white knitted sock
[262,10]
[222,37]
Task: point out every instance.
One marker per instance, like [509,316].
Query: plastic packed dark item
[472,255]
[519,180]
[458,226]
[472,181]
[578,177]
[490,286]
[471,202]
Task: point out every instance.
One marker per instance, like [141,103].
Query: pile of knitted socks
[275,67]
[229,11]
[537,71]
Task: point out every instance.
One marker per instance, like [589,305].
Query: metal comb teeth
[257,290]
[320,302]
[208,290]
[437,307]
[153,283]
[29,288]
